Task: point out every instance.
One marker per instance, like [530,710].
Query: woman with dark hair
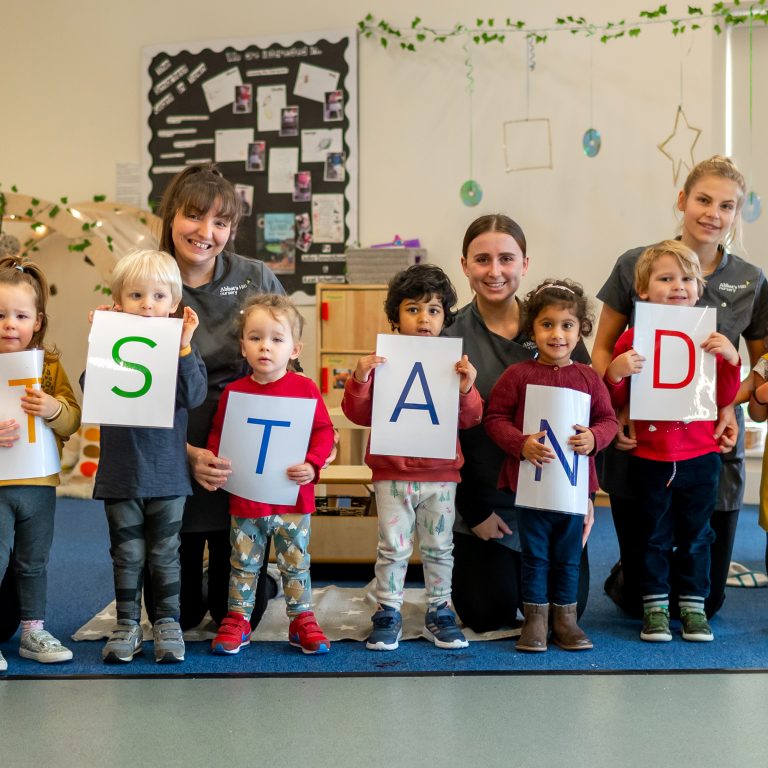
[486,574]
[200,211]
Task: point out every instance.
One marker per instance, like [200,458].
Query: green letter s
[135,366]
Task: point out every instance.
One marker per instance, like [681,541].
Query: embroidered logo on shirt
[231,290]
[731,288]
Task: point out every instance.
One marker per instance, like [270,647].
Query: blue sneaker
[440,628]
[387,629]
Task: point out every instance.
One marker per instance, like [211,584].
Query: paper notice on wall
[314,82]
[328,218]
[220,90]
[270,101]
[282,167]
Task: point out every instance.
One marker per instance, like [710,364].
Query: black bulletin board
[279,116]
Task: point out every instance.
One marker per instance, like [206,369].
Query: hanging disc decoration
[591,142]
[752,208]
[471,193]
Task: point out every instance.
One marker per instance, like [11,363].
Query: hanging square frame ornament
[678,146]
[527,144]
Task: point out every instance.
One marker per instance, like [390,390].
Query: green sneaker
[695,626]
[656,626]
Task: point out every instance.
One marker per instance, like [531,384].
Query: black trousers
[10,614]
[487,585]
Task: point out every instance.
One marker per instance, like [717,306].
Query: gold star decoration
[678,146]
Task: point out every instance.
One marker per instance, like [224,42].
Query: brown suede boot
[565,630]
[535,627]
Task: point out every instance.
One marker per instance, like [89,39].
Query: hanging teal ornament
[591,142]
[471,193]
[752,207]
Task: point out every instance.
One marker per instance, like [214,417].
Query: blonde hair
[142,266]
[722,168]
[279,306]
[685,257]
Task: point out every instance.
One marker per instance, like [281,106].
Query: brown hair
[562,293]
[17,270]
[685,257]
[493,222]
[196,189]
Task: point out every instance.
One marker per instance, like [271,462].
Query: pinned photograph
[333,109]
[256,158]
[303,232]
[334,167]
[289,121]
[302,187]
[243,103]
[276,240]
[245,193]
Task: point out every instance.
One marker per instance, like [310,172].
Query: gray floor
[551,720]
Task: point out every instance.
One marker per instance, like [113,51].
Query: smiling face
[556,333]
[494,265]
[148,299]
[19,318]
[668,283]
[709,211]
[421,317]
[199,237]
[268,345]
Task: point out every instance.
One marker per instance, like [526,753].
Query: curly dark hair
[566,294]
[420,281]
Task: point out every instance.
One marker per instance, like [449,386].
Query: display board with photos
[279,117]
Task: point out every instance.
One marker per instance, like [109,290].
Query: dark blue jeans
[551,554]
[675,501]
[26,523]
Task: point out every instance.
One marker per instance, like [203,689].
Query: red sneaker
[305,633]
[234,633]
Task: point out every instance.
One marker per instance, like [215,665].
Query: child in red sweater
[414,492]
[675,467]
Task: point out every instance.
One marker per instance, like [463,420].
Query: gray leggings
[145,530]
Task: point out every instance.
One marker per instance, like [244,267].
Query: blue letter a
[573,472]
[417,370]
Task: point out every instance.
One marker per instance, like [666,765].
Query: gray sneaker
[42,646]
[124,642]
[3,663]
[169,642]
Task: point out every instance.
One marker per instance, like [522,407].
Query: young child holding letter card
[676,464]
[414,492]
[270,338]
[143,476]
[556,316]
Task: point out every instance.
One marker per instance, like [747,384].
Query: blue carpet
[80,584]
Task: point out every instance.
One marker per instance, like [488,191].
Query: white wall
[71,111]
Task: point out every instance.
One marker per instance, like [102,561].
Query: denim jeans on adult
[674,502]
[26,524]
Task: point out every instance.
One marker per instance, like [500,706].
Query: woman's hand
[9,433]
[583,442]
[334,450]
[35,402]
[189,323]
[535,452]
[492,527]
[727,428]
[625,440]
[209,470]
[467,374]
[301,474]
[100,308]
[365,365]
